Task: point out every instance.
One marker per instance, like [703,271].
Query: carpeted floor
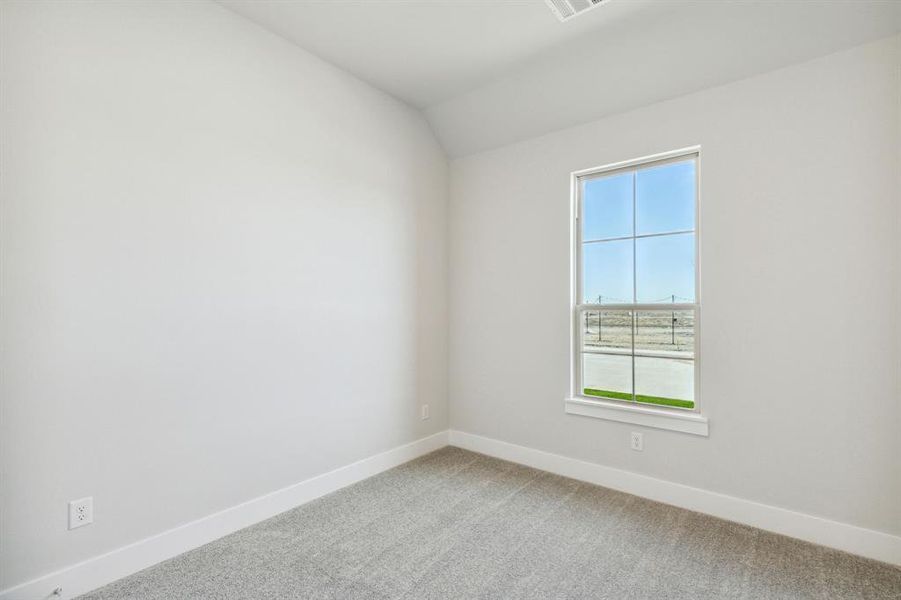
[459,525]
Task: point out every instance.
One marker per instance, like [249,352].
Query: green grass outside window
[658,400]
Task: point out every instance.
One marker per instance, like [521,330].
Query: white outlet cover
[425,412]
[636,441]
[81,512]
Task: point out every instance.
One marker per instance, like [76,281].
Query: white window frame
[676,419]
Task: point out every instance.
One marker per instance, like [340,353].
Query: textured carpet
[458,525]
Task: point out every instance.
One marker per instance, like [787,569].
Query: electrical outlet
[425,412]
[636,441]
[81,512]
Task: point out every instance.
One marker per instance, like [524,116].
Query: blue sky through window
[664,202]
[607,207]
[665,266]
[665,198]
[607,272]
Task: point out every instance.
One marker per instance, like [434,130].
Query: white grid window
[636,307]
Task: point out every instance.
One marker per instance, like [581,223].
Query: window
[636,307]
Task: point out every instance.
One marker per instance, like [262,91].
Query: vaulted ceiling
[490,72]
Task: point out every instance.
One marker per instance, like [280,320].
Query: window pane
[664,358]
[607,376]
[607,354]
[607,207]
[607,330]
[669,331]
[607,272]
[666,268]
[665,198]
[665,381]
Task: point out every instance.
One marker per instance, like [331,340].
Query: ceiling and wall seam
[486,75]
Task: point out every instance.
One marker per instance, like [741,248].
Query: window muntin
[637,311]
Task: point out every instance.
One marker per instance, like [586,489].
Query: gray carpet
[458,525]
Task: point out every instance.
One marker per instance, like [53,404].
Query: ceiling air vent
[566,9]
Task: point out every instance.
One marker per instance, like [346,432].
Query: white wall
[800,289]
[223,271]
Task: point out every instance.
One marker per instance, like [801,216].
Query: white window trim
[674,419]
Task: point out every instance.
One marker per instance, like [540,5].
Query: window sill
[685,422]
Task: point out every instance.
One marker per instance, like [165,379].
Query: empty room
[450,299]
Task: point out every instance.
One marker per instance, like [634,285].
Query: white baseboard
[106,568]
[841,536]
[100,570]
